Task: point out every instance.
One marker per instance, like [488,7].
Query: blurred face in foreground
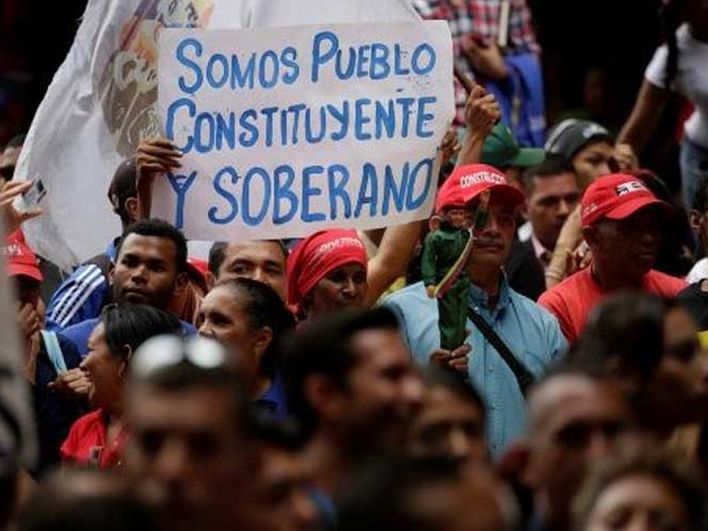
[448,425]
[188,455]
[678,390]
[383,392]
[574,420]
[638,502]
[283,500]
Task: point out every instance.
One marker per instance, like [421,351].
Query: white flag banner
[102,102]
[312,127]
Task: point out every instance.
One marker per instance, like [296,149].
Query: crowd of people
[318,383]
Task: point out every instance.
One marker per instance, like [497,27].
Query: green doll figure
[445,254]
[441,250]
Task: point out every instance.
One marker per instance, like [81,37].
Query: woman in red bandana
[327,272]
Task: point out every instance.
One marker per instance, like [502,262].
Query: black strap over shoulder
[524,377]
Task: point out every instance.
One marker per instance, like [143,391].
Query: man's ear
[696,220]
[111,272]
[324,397]
[434,223]
[181,282]
[132,207]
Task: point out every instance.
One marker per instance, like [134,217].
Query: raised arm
[391,260]
[646,112]
[481,113]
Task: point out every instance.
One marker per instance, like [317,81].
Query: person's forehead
[640,218]
[501,203]
[570,398]
[600,147]
[98,333]
[497,201]
[192,408]
[379,347]
[637,489]
[554,184]
[221,298]
[440,401]
[256,251]
[138,243]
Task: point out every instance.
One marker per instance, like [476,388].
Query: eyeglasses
[7,172]
[166,351]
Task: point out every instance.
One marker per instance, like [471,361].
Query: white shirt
[691,80]
[698,272]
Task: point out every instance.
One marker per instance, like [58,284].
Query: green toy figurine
[445,254]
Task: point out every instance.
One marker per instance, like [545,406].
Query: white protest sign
[289,132]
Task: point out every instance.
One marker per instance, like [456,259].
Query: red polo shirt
[572,300]
[87,443]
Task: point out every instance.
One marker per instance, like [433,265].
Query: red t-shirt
[87,443]
[572,300]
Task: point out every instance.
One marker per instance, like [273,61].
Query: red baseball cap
[21,260]
[467,182]
[616,196]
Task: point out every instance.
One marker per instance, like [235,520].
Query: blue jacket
[81,296]
[530,332]
[521,98]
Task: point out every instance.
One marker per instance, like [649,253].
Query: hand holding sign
[153,157]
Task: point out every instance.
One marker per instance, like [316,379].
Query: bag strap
[56,356]
[524,377]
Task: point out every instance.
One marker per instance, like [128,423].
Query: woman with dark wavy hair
[98,437]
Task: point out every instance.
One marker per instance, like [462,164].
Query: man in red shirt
[621,222]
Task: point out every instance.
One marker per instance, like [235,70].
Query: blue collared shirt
[530,332]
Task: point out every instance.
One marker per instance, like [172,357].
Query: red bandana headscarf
[315,257]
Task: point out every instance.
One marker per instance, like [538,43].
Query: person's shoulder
[69,351]
[561,290]
[698,272]
[526,306]
[692,291]
[81,328]
[665,285]
[404,296]
[87,424]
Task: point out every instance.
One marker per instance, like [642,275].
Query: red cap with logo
[616,196]
[21,260]
[467,182]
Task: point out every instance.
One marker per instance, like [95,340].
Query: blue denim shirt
[530,332]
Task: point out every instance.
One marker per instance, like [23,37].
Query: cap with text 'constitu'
[467,182]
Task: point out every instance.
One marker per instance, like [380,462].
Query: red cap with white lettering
[467,182]
[616,196]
